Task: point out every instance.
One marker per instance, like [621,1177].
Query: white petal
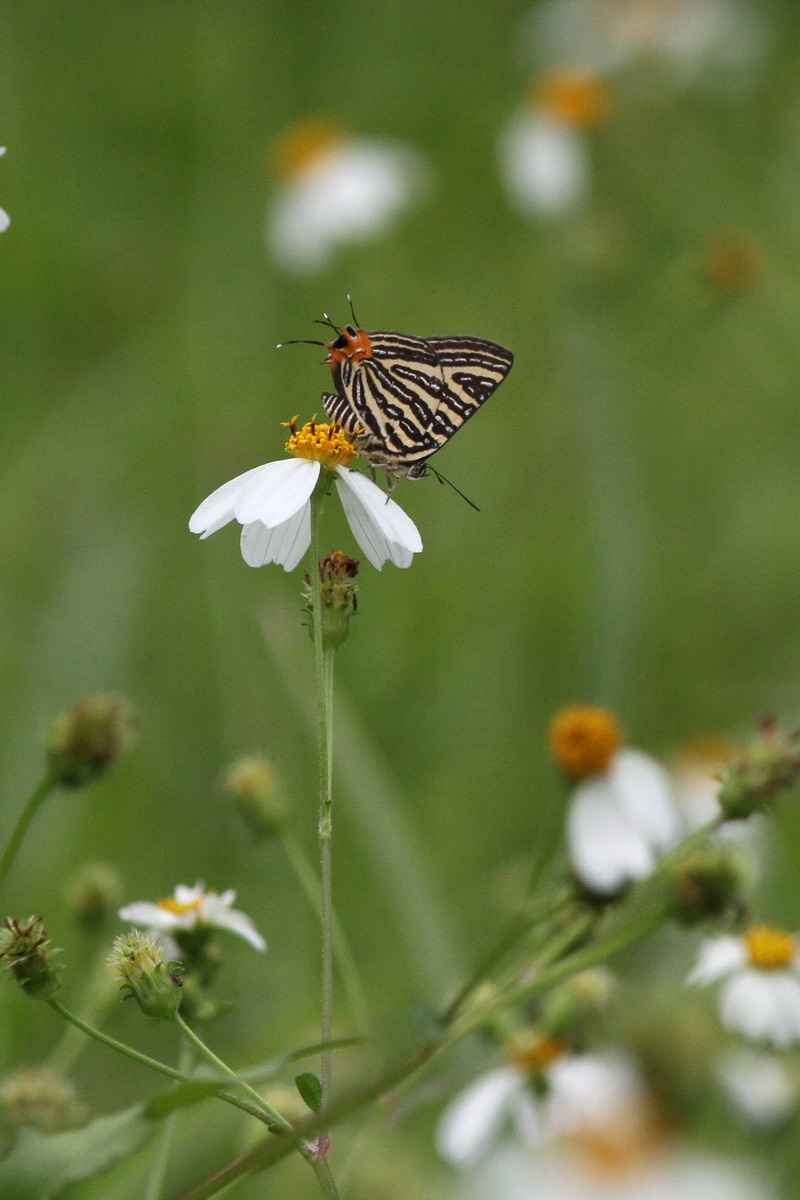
[184,894]
[758,1084]
[285,544]
[718,957]
[590,1089]
[143,913]
[217,509]
[763,1005]
[382,529]
[239,922]
[278,493]
[545,164]
[606,850]
[475,1117]
[2,151]
[5,220]
[642,787]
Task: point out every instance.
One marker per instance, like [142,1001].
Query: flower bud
[770,765]
[572,1006]
[93,893]
[26,951]
[339,600]
[154,984]
[85,741]
[707,884]
[39,1097]
[252,784]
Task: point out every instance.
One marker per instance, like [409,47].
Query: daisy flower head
[759,973]
[272,503]
[5,220]
[191,909]
[543,152]
[758,1086]
[542,1094]
[335,190]
[621,816]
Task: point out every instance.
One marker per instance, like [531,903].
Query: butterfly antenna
[300,342]
[329,322]
[353,311]
[458,491]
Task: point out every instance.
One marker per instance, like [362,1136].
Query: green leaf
[183,1096]
[43,1164]
[310,1088]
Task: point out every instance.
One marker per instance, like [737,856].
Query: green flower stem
[323,661]
[275,1120]
[343,955]
[101,991]
[32,805]
[146,1061]
[166,1135]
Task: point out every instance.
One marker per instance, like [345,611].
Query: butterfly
[405,396]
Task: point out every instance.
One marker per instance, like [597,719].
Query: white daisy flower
[714,42]
[5,220]
[194,908]
[578,1091]
[621,816]
[758,1086]
[543,151]
[760,976]
[272,503]
[336,190]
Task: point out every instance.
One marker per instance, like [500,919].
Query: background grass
[638,544]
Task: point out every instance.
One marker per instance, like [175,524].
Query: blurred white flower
[620,821]
[760,974]
[5,220]
[641,1168]
[194,908]
[577,1092]
[543,151]
[272,503]
[335,190]
[758,1085]
[711,41]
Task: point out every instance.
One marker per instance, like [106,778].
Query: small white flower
[272,503]
[336,191]
[619,821]
[758,1085]
[194,908]
[760,975]
[580,1091]
[544,164]
[5,220]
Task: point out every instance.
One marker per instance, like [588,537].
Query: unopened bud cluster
[25,950]
[40,1098]
[337,573]
[253,786]
[769,765]
[154,984]
[708,884]
[85,741]
[93,893]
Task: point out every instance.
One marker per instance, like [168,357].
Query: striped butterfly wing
[409,395]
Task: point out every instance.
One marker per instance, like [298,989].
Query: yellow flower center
[535,1053]
[327,444]
[171,905]
[304,147]
[615,1149]
[769,949]
[584,739]
[578,98]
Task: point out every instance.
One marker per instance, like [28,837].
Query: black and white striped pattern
[409,395]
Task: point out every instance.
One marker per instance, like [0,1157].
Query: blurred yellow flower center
[171,905]
[305,146]
[578,98]
[611,1150]
[327,444]
[535,1053]
[584,739]
[769,949]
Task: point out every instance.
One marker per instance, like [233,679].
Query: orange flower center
[578,98]
[584,739]
[171,905]
[769,949]
[533,1054]
[303,147]
[327,444]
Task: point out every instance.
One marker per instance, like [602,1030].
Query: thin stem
[146,1061]
[323,663]
[32,805]
[158,1166]
[100,993]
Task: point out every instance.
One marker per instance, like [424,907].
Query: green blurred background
[638,544]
